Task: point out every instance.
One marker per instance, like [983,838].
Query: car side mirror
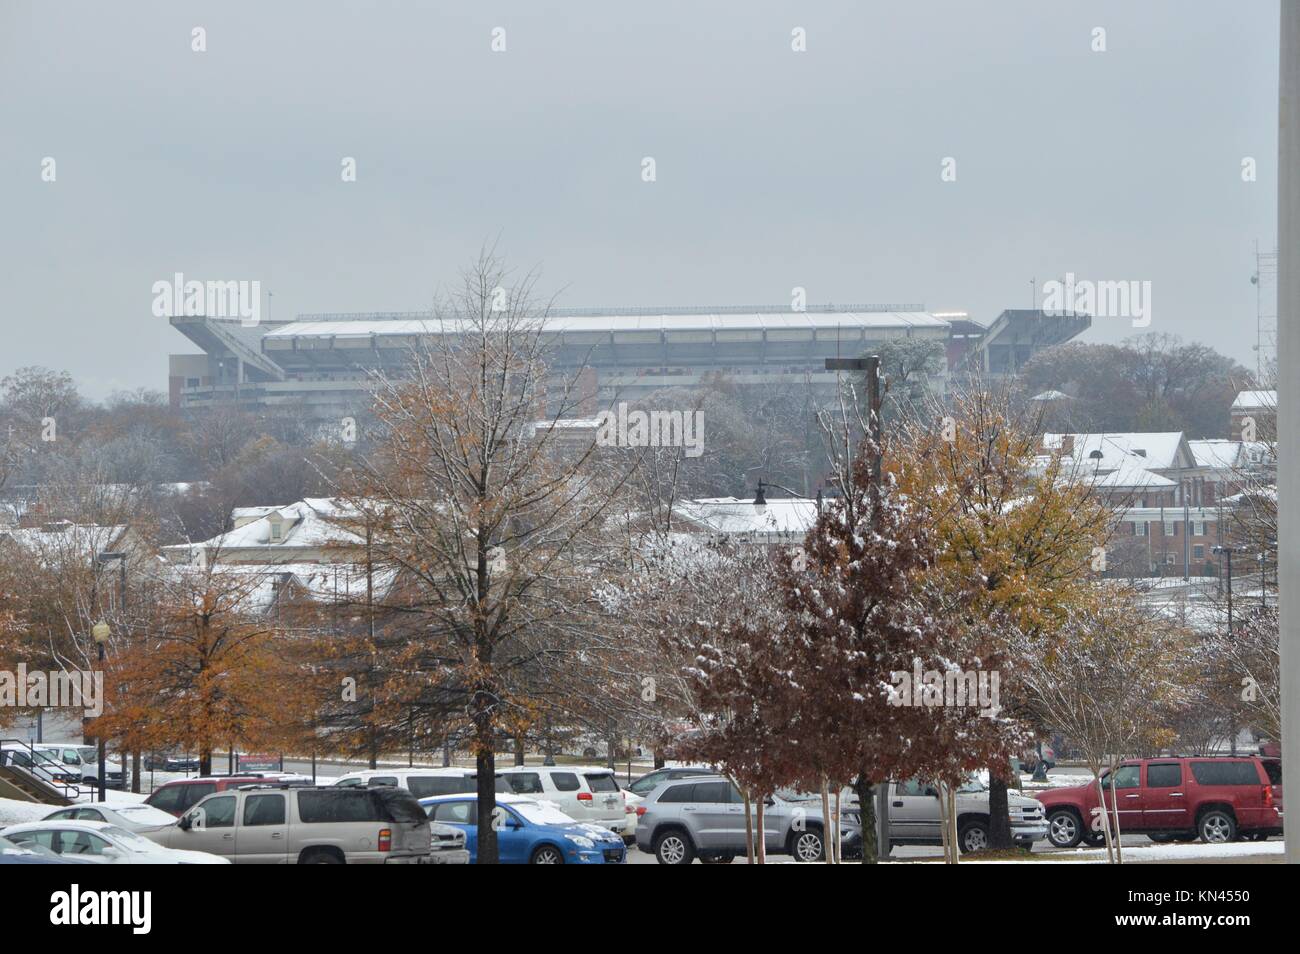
[186,823]
[110,852]
[769,801]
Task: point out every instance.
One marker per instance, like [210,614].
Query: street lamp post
[100,631]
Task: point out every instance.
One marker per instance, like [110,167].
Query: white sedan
[135,817]
[103,843]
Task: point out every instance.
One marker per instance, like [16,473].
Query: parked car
[529,831]
[705,818]
[583,792]
[103,843]
[139,818]
[447,845]
[647,783]
[278,823]
[177,796]
[422,782]
[41,766]
[161,762]
[915,817]
[83,759]
[1216,798]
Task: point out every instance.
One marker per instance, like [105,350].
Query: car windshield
[89,754]
[972,785]
[128,839]
[542,814]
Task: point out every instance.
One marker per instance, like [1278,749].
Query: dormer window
[276,531]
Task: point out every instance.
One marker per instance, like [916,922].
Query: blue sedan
[529,832]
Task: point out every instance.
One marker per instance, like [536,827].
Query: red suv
[1218,798]
[178,796]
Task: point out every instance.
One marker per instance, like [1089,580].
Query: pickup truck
[914,817]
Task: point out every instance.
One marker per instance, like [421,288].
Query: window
[1225,773]
[1126,776]
[383,780]
[1146,528]
[422,786]
[346,805]
[457,813]
[1171,528]
[602,782]
[524,783]
[190,794]
[1164,775]
[79,843]
[713,792]
[678,793]
[1198,551]
[565,781]
[643,785]
[264,810]
[90,814]
[218,812]
[168,798]
[914,787]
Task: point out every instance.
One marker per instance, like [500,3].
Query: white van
[585,793]
[84,760]
[420,782]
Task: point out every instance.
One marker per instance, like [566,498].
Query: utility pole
[1288,431]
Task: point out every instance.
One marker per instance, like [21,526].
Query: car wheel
[1217,827]
[974,836]
[807,846]
[674,848]
[1064,830]
[547,855]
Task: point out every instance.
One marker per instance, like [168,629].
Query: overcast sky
[774,169]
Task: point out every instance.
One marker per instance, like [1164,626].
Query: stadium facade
[321,363]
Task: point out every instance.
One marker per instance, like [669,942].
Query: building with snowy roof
[323,362]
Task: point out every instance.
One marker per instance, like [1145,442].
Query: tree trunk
[1114,804]
[762,831]
[999,815]
[953,840]
[1105,818]
[486,763]
[519,749]
[749,830]
[828,824]
[205,761]
[835,837]
[944,825]
[867,811]
[659,759]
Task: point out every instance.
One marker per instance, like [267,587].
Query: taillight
[584,796]
[385,839]
[1268,796]
[640,810]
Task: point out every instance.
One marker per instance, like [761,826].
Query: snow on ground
[1151,853]
[15,812]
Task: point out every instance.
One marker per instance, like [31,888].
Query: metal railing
[36,768]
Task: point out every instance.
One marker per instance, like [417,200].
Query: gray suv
[705,817]
[280,824]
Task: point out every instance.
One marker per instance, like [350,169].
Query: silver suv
[279,824]
[705,817]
